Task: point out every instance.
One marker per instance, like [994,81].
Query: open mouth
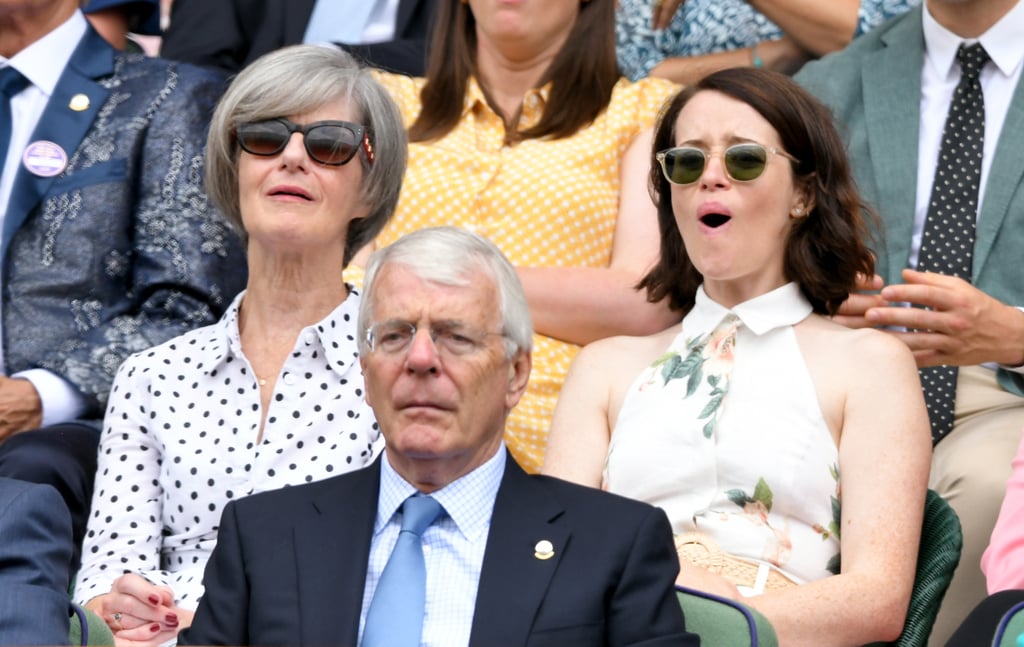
[714,220]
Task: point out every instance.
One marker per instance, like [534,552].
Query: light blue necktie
[339,21]
[11,83]
[395,617]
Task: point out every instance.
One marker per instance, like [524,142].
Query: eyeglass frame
[661,155]
[436,332]
[363,135]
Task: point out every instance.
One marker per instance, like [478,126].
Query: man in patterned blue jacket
[108,244]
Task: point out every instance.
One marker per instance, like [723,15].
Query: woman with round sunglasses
[790,452]
[524,131]
[305,157]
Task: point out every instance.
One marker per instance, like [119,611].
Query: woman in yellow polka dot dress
[524,132]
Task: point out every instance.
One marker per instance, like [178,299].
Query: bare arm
[580,304]
[783,55]
[884,455]
[581,426]
[818,27]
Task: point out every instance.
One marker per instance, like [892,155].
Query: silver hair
[450,256]
[299,79]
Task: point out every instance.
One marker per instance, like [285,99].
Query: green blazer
[874,89]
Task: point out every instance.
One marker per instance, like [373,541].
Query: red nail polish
[154,600]
[154,628]
[171,619]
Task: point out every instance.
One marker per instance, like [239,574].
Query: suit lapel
[296,15]
[93,59]
[1005,176]
[332,552]
[524,515]
[892,118]
[406,8]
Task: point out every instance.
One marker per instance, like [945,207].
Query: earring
[799,211]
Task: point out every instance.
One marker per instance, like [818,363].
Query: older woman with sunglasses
[305,156]
[772,436]
[524,132]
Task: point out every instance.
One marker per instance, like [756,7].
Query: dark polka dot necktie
[947,245]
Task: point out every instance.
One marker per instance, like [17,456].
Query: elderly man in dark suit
[509,559]
[230,34]
[108,246]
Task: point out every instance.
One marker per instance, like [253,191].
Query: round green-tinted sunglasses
[743,162]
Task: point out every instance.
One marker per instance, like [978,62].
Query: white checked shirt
[453,547]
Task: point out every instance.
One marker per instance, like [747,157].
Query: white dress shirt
[939,78]
[380,26]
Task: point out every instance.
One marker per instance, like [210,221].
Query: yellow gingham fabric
[542,202]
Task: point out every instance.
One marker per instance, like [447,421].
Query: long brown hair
[582,75]
[827,248]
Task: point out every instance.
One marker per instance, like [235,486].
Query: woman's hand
[140,612]
[694,577]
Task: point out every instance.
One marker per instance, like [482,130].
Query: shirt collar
[225,340]
[533,102]
[44,61]
[468,500]
[784,306]
[1001,41]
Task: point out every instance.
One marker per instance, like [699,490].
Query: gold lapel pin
[544,549]
[79,102]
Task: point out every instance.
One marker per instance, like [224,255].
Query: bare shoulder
[627,355]
[853,347]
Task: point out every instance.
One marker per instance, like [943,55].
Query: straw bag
[701,550]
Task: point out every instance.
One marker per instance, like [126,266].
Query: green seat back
[721,622]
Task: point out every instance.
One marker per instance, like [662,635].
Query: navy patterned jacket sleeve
[122,250]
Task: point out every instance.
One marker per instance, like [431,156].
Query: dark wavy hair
[582,75]
[827,248]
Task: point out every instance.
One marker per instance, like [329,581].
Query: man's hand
[851,313]
[961,326]
[20,407]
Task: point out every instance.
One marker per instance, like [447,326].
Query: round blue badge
[45,159]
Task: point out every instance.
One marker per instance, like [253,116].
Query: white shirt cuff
[61,401]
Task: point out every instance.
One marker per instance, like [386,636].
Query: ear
[518,377]
[803,202]
[366,383]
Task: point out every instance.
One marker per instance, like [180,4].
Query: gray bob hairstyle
[299,79]
[450,256]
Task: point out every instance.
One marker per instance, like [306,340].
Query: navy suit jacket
[290,566]
[874,88]
[35,555]
[122,250]
[230,34]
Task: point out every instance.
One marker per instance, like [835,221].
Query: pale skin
[296,213]
[441,416]
[516,44]
[873,407]
[812,29]
[961,325]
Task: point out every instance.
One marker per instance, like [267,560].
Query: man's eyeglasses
[743,162]
[329,142]
[452,338]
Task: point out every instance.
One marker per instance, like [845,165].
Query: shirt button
[310,338]
[289,379]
